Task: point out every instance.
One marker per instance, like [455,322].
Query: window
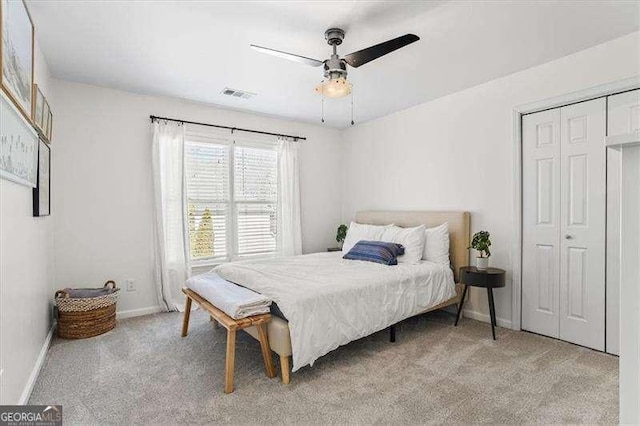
[231,196]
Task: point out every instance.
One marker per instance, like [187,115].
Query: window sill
[202,266]
[207,262]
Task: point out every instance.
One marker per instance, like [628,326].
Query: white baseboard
[479,316]
[139,312]
[28,387]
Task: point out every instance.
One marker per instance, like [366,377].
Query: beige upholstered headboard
[459,228]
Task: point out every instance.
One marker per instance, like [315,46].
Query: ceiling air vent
[237,93]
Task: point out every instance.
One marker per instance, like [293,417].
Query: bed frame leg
[185,320]
[392,333]
[284,368]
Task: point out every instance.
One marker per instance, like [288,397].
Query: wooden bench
[232,325]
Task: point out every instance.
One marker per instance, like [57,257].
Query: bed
[326,301]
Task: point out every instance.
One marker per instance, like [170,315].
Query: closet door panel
[541,222]
[614,170]
[582,242]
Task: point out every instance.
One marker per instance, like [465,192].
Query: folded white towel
[234,300]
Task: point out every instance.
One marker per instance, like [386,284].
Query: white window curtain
[289,229]
[172,261]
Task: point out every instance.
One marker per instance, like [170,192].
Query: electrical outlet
[131,284]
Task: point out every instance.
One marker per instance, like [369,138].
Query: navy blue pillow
[376,251]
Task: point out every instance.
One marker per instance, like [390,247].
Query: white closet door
[583,198]
[541,222]
[614,171]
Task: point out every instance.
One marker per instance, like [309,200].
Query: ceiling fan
[335,84]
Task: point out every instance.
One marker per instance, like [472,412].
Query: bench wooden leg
[230,361]
[284,368]
[187,313]
[266,351]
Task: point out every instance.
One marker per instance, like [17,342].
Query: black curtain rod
[233,129]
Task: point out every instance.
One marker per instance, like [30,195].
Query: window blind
[255,196]
[231,191]
[207,182]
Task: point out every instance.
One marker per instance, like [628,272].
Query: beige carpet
[143,372]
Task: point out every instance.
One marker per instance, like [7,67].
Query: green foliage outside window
[201,234]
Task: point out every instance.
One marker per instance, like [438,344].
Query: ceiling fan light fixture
[334,88]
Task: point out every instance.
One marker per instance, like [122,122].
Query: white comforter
[330,301]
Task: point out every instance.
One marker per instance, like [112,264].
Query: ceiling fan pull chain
[352,122]
[322,103]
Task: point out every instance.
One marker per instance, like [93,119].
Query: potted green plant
[481,244]
[341,234]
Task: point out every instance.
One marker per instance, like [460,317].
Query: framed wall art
[50,127]
[18,145]
[42,192]
[38,110]
[45,115]
[16,54]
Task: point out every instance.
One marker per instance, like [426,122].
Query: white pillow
[359,232]
[436,247]
[413,240]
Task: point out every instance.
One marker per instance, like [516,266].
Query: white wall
[103,195]
[26,276]
[457,153]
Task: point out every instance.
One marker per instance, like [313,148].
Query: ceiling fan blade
[363,56]
[289,56]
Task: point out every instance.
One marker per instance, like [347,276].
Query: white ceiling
[194,49]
